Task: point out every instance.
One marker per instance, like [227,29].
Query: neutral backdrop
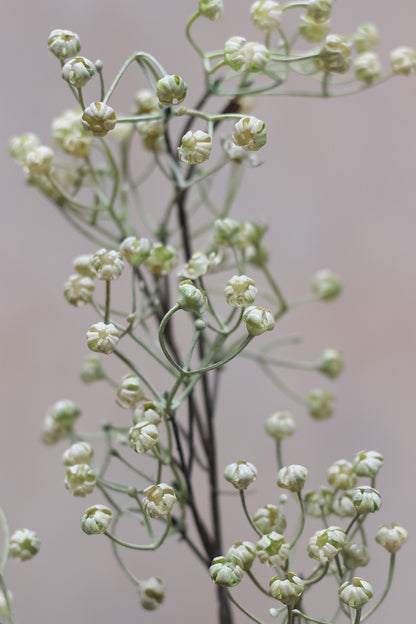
[337,186]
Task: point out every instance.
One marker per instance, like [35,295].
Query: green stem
[154,546]
[302,521]
[244,505]
[6,539]
[239,606]
[386,589]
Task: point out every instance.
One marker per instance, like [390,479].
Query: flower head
[250,133]
[129,391]
[107,265]
[78,71]
[266,15]
[258,320]
[335,55]
[99,118]
[280,425]
[367,463]
[151,593]
[212,9]
[135,250]
[355,594]
[103,337]
[292,477]
[78,453]
[243,553]
[269,518]
[79,290]
[195,148]
[143,436]
[324,545]
[24,544]
[240,291]
[225,573]
[162,260]
[319,402]
[171,90]
[159,500]
[96,519]
[64,43]
[366,499]
[240,474]
[273,549]
[403,61]
[341,475]
[391,538]
[289,590]
[80,480]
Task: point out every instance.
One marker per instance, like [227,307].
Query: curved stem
[244,505]
[154,546]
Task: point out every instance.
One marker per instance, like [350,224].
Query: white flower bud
[366,37]
[64,43]
[367,67]
[151,593]
[64,412]
[171,90]
[159,500]
[326,285]
[269,518]
[195,147]
[212,9]
[355,594]
[197,266]
[326,544]
[82,265]
[244,55]
[162,260]
[78,453]
[79,290]
[78,71]
[24,544]
[129,391]
[367,463]
[258,320]
[103,337]
[331,363]
[319,403]
[80,480]
[225,573]
[240,291]
[273,549]
[146,102]
[242,553]
[151,129]
[96,519]
[317,502]
[69,133]
[240,474]
[287,591]
[343,506]
[391,538]
[143,436]
[266,15]
[226,232]
[292,477]
[39,160]
[320,10]
[341,475]
[191,298]
[366,499]
[280,425]
[355,555]
[99,118]
[238,154]
[52,431]
[335,55]
[149,411]
[313,30]
[92,369]
[20,146]
[107,265]
[250,133]
[135,250]
[403,61]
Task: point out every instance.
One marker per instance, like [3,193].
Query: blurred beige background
[337,186]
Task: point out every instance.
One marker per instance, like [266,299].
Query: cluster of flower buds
[59,419]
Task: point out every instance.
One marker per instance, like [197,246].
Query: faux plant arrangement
[201,294]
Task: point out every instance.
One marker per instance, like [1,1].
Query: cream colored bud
[212,9]
[24,544]
[82,265]
[143,436]
[197,266]
[240,291]
[150,411]
[70,135]
[129,391]
[64,412]
[39,160]
[191,298]
[226,232]
[355,555]
[269,518]
[146,102]
[335,55]
[238,154]
[292,477]
[273,549]
[159,500]
[313,30]
[317,502]
[250,133]
[79,290]
[78,71]
[331,363]
[171,90]
[225,573]
[135,250]
[242,553]
[320,10]
[91,369]
[20,146]
[266,15]
[103,337]
[99,118]
[64,43]
[151,129]
[280,425]
[80,480]
[391,538]
[367,463]
[195,148]
[52,431]
[289,590]
[243,55]
[343,506]
[324,545]
[96,519]
[366,499]
[366,37]
[162,260]
[107,265]
[355,594]
[341,475]
[240,474]
[319,403]
[403,61]
[151,593]
[258,320]
[78,453]
[367,67]
[326,285]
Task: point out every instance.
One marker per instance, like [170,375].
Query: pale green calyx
[367,67]
[355,594]
[78,71]
[266,15]
[150,411]
[191,299]
[24,544]
[212,9]
[162,259]
[171,89]
[366,37]
[313,30]
[355,555]
[91,369]
[135,250]
[366,499]
[243,55]
[64,412]
[96,519]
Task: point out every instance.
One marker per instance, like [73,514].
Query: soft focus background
[336,186]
